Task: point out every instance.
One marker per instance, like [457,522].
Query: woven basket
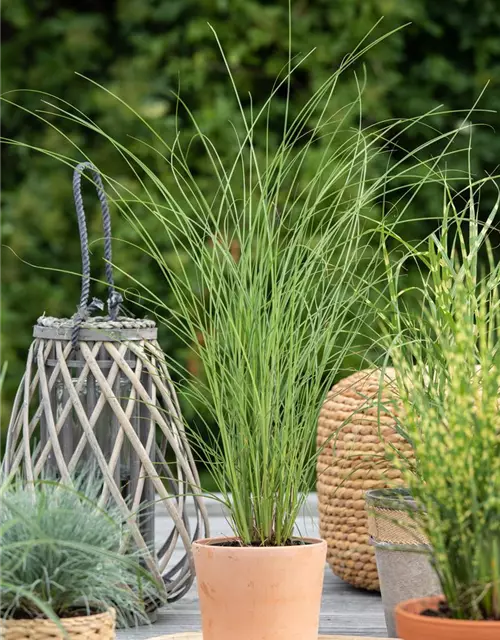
[99,626]
[392,519]
[352,434]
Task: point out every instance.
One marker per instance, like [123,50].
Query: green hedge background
[144,50]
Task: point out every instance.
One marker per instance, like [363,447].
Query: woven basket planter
[100,626]
[353,432]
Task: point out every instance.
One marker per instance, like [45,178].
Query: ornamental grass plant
[285,268]
[60,555]
[447,363]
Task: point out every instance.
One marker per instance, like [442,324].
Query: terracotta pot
[413,626]
[264,593]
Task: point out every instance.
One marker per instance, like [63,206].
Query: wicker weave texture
[125,387]
[99,626]
[391,526]
[353,431]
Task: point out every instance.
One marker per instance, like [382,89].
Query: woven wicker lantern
[98,391]
[353,431]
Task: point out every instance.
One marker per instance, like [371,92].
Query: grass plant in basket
[447,363]
[62,572]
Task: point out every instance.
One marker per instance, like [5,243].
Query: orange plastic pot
[259,593]
[413,626]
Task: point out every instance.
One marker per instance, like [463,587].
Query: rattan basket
[355,420]
[100,626]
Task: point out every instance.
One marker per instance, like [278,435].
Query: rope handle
[114,298]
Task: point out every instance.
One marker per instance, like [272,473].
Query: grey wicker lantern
[98,392]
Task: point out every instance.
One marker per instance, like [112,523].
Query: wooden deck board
[344,610]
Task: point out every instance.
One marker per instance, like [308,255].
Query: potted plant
[271,329]
[271,325]
[447,363]
[402,549]
[62,573]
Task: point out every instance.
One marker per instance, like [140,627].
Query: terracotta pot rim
[217,548]
[401,611]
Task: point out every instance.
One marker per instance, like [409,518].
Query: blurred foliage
[146,51]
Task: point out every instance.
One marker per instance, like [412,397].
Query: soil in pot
[428,619]
[269,593]
[231,542]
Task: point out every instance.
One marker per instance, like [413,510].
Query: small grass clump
[60,555]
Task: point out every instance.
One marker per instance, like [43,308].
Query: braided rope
[114,298]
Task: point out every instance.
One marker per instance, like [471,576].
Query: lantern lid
[96,328]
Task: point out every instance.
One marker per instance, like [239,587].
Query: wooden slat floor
[344,610]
